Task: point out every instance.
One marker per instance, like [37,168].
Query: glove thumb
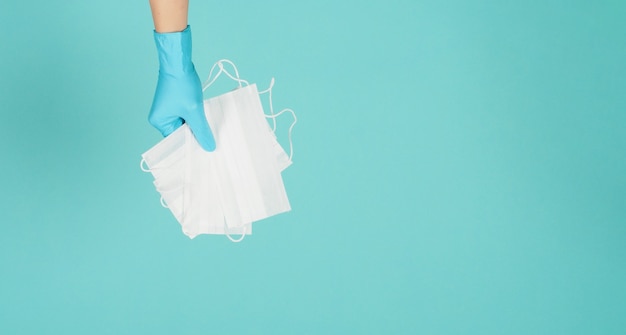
[200,128]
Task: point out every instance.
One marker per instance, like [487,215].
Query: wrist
[174,51]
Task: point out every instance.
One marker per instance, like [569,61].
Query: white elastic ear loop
[273,116]
[160,190]
[220,65]
[269,90]
[147,169]
[243,235]
[295,120]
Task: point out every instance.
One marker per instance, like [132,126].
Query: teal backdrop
[459,169]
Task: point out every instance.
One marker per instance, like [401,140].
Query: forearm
[169,15]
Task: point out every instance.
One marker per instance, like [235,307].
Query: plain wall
[459,169]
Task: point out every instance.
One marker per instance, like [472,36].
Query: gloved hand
[178,96]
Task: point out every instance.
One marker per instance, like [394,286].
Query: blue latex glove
[178,96]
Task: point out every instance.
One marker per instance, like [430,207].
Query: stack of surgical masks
[224,191]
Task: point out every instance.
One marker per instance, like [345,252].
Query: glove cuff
[174,51]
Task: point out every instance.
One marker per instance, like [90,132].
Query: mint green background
[459,169]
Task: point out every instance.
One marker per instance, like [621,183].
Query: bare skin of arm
[169,15]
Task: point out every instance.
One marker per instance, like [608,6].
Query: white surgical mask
[224,191]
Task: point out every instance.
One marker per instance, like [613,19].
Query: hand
[178,96]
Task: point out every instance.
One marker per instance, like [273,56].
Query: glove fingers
[201,130]
[166,130]
[165,125]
